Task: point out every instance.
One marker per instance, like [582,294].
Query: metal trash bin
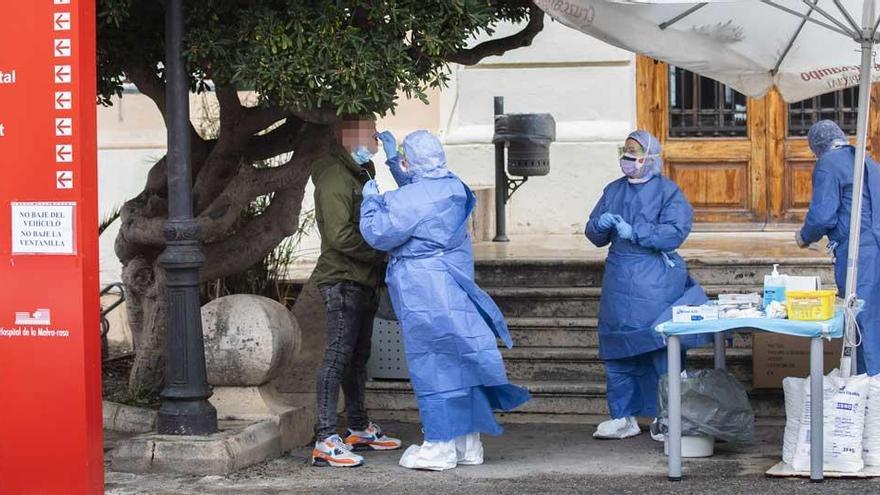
[528,136]
[387,359]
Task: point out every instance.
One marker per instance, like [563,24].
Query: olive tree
[308,62]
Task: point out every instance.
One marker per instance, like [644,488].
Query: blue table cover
[830,329]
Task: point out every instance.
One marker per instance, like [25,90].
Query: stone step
[575,332]
[564,302]
[570,302]
[588,273]
[554,332]
[751,272]
[584,364]
[552,401]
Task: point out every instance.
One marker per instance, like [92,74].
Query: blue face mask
[361,155]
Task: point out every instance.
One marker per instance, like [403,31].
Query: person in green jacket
[348,275]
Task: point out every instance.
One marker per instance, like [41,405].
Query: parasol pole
[848,357]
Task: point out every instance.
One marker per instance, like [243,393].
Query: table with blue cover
[817,331]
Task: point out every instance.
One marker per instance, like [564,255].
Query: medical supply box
[802,283]
[688,314]
[776,356]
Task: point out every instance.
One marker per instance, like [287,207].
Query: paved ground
[527,459]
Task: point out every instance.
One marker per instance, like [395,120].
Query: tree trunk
[146,303]
[225,183]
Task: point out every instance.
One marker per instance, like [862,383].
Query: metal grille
[702,107]
[387,359]
[840,106]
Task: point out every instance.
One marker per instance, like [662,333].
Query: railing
[702,107]
[840,106]
[118,290]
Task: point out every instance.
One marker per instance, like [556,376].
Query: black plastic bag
[713,402]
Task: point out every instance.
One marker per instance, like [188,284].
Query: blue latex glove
[606,221]
[389,144]
[371,189]
[624,230]
[799,239]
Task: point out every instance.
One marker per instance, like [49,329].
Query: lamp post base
[189,417]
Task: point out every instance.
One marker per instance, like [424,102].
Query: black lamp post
[185,408]
[527,138]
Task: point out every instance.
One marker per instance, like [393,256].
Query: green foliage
[108,219]
[350,56]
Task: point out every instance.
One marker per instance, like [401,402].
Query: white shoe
[617,429]
[657,431]
[469,449]
[333,452]
[371,439]
[433,456]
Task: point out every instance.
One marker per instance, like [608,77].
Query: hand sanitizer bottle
[774,287]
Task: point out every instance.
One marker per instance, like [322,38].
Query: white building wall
[131,138]
[589,88]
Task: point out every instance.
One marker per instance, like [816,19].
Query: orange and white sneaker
[334,452]
[371,439]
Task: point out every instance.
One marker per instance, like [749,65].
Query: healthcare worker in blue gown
[829,215]
[645,217]
[449,324]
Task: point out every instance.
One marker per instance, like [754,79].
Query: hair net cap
[824,136]
[653,152]
[424,155]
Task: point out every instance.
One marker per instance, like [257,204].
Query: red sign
[50,365]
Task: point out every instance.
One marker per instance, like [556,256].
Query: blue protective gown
[449,324]
[644,278]
[829,215]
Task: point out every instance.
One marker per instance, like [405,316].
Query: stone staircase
[551,307]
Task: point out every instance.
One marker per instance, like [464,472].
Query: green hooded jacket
[345,256]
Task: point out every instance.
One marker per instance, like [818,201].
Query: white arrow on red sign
[62,47]
[63,153]
[64,126]
[62,2]
[62,74]
[63,100]
[64,179]
[62,21]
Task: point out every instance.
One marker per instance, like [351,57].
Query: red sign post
[50,366]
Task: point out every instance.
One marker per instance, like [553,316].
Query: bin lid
[536,127]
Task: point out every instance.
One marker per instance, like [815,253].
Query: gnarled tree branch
[253,240]
[320,117]
[149,84]
[231,112]
[259,118]
[152,86]
[141,222]
[471,56]
[276,142]
[249,183]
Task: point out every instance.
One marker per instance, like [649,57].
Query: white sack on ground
[871,437]
[794,407]
[844,401]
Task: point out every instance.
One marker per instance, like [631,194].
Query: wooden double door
[760,179]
